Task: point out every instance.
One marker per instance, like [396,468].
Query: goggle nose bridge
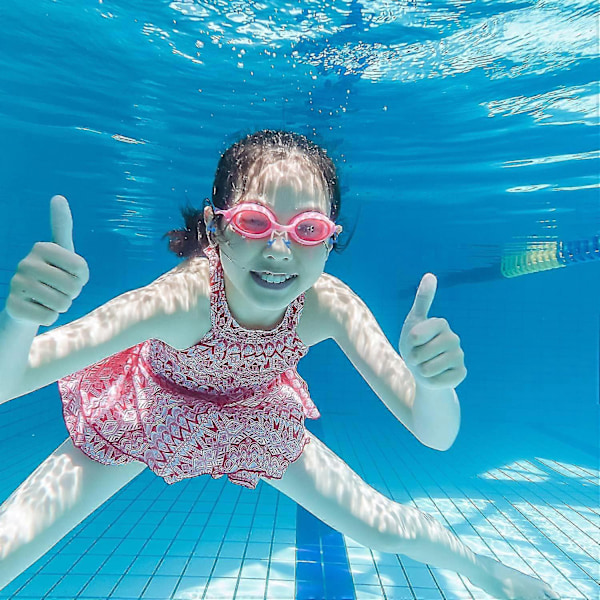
[283,234]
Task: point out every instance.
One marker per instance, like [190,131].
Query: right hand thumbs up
[51,276]
[61,223]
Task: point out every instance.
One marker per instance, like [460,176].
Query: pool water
[466,137]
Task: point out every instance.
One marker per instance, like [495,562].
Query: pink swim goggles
[257,221]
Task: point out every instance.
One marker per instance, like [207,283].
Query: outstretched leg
[327,487]
[66,488]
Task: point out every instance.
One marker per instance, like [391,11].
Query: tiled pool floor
[531,502]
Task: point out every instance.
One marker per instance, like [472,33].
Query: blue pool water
[466,135]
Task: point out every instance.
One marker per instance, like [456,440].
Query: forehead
[287,186]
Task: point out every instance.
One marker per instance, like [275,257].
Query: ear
[208,214]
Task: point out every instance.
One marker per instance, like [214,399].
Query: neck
[248,316]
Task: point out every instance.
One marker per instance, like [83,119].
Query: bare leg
[326,486]
[55,498]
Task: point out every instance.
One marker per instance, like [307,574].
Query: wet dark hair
[252,153]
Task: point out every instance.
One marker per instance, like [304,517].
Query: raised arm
[44,285]
[419,394]
[150,312]
[160,310]
[358,334]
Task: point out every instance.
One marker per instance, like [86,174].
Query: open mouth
[272,280]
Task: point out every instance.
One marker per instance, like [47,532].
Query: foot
[505,583]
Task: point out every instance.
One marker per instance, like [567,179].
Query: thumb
[61,222]
[424,298]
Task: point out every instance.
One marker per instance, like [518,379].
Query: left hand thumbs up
[430,349]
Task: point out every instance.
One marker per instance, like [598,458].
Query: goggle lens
[252,221]
[312,230]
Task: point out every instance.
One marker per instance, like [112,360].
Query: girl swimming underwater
[195,373]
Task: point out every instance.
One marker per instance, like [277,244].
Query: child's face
[287,188]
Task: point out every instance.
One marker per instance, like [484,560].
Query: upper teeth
[273,277]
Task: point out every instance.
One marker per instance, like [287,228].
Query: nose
[279,245]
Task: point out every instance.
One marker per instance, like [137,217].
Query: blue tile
[309,572]
[308,553]
[102,546]
[171,565]
[335,554]
[190,587]
[237,534]
[40,585]
[227,567]
[258,550]
[199,566]
[100,586]
[60,563]
[336,577]
[233,549]
[142,530]
[116,565]
[86,565]
[131,586]
[369,592]
[181,547]
[305,535]
[420,578]
[144,565]
[207,549]
[427,594]
[160,587]
[399,593]
[71,585]
[260,535]
[282,570]
[156,547]
[130,547]
[307,590]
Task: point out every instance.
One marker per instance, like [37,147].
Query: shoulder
[325,306]
[186,284]
[187,267]
[187,288]
[331,294]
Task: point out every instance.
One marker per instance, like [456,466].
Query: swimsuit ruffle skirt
[233,404]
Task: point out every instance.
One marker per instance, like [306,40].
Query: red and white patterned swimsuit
[232,405]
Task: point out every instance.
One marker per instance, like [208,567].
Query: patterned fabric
[233,404]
